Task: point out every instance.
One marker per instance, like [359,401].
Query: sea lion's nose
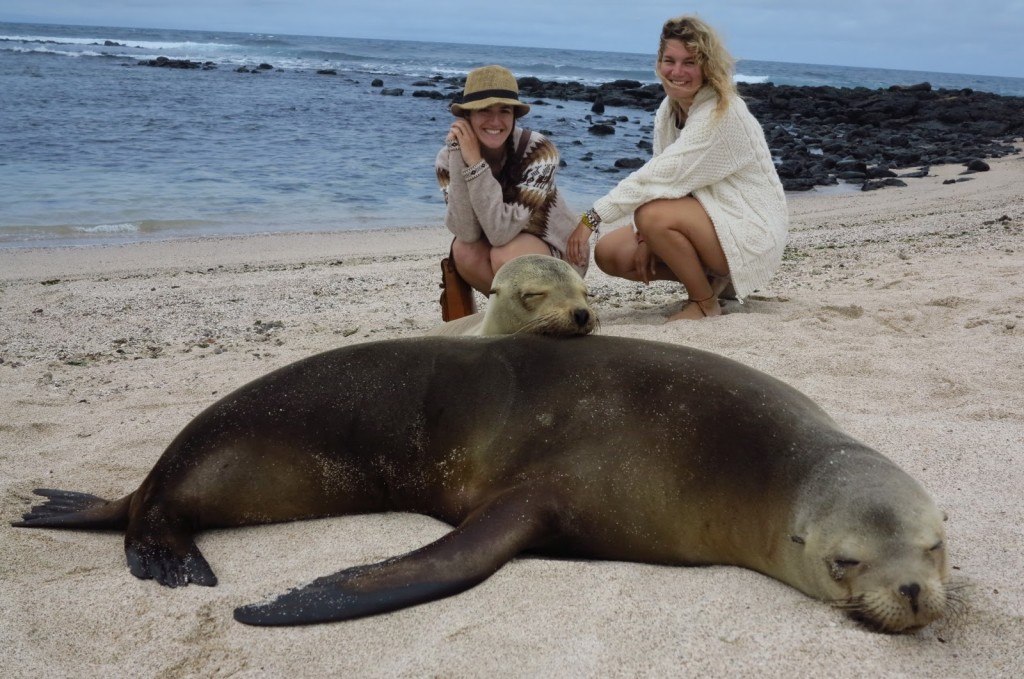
[581,317]
[911,592]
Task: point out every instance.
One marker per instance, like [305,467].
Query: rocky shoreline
[819,136]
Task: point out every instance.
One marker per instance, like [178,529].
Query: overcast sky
[980,37]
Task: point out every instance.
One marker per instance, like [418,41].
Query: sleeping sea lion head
[541,295]
[879,552]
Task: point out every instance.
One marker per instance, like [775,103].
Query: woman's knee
[523,244]
[604,257]
[472,254]
[611,256]
[683,215]
[500,257]
[650,218]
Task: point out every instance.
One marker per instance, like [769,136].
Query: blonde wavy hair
[716,64]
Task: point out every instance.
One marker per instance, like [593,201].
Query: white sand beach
[900,311]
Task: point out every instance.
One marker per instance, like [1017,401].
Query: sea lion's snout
[902,608]
[581,317]
[910,593]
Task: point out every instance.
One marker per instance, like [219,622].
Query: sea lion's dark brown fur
[595,447]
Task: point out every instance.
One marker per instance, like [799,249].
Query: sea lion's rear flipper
[168,556]
[70,509]
[489,537]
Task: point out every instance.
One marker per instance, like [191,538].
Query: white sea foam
[740,78]
[127,42]
[126,227]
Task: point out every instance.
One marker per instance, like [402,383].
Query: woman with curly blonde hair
[708,208]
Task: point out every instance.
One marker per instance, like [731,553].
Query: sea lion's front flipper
[487,539]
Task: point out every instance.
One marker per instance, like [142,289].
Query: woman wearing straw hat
[499,182]
[708,208]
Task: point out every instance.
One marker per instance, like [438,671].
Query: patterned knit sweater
[479,206]
[725,163]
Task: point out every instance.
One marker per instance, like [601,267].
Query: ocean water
[95,148]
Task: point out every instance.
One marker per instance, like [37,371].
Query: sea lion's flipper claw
[168,563]
[465,557]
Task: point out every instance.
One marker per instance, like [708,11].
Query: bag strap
[524,139]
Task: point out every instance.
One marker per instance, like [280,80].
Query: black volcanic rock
[817,135]
[880,183]
[165,62]
[903,126]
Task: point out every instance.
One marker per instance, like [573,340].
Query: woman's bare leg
[615,255]
[477,262]
[473,262]
[680,233]
[523,244]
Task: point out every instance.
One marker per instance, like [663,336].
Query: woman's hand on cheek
[468,142]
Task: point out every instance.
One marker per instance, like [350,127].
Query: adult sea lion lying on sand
[592,447]
[536,294]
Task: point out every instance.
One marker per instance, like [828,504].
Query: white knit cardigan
[725,163]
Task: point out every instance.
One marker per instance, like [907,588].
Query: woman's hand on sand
[468,143]
[578,247]
[644,262]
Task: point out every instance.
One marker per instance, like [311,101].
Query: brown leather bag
[456,294]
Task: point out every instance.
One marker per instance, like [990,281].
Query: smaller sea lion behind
[535,294]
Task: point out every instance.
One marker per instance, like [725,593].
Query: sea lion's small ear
[797,539]
[945,516]
[492,291]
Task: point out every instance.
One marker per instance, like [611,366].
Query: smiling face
[492,125]
[681,75]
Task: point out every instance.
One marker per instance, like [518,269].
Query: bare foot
[694,310]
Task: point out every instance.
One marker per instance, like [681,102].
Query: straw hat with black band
[487,86]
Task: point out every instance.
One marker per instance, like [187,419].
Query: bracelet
[474,171]
[591,219]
